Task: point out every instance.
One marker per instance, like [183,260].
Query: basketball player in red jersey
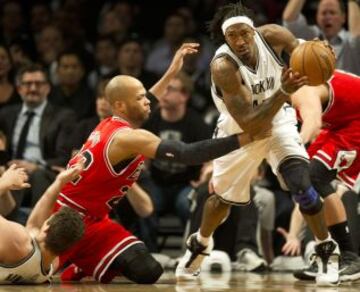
[331,113]
[113,157]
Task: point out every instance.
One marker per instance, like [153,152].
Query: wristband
[283,91]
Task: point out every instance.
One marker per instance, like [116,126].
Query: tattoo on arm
[237,98]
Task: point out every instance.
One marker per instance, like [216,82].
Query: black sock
[340,233]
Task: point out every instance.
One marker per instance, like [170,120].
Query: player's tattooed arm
[238,100]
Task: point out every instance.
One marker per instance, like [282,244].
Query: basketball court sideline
[271,282]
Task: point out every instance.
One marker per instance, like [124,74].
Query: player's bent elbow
[146,211]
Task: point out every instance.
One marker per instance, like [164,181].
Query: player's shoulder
[273,33]
[223,63]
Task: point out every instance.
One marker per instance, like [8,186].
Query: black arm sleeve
[198,152]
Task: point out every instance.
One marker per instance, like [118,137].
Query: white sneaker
[248,260]
[188,268]
[327,258]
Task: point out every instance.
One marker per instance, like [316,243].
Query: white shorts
[233,172]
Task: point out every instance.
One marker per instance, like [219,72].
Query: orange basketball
[315,60]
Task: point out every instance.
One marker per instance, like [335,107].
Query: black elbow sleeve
[198,152]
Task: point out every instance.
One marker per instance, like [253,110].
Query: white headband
[236,19]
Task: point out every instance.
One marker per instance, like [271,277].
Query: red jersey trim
[106,150]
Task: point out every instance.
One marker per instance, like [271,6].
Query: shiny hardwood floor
[272,282]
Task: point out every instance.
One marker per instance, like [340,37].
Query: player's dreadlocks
[223,13]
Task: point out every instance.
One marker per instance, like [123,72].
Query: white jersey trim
[110,253]
[106,157]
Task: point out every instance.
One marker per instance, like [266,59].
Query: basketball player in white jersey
[28,254]
[250,89]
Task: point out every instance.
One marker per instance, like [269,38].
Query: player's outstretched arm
[308,103]
[159,89]
[133,142]
[44,206]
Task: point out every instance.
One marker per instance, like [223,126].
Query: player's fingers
[25,186]
[13,166]
[282,231]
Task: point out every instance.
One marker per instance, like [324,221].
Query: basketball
[315,60]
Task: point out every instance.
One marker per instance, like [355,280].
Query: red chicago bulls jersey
[344,104]
[100,184]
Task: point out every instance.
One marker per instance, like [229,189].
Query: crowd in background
[81,44]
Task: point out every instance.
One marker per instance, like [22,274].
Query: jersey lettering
[264,85]
[88,159]
[116,199]
[344,159]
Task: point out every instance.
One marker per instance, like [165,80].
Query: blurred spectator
[38,133]
[130,61]
[72,90]
[105,54]
[164,49]
[112,25]
[11,21]
[197,67]
[169,182]
[84,128]
[40,17]
[50,44]
[21,54]
[330,19]
[69,18]
[8,94]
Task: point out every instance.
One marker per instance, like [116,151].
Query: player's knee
[321,178]
[145,270]
[296,176]
[138,265]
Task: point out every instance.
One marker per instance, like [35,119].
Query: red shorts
[101,243]
[338,151]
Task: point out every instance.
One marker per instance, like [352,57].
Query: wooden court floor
[209,282]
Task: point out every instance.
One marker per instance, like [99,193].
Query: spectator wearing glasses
[37,133]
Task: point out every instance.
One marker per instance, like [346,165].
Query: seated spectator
[330,21]
[130,61]
[49,44]
[105,54]
[84,128]
[40,17]
[168,182]
[8,93]
[72,91]
[38,133]
[160,56]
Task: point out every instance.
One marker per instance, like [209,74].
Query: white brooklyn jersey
[262,82]
[27,271]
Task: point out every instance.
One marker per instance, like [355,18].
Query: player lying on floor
[28,254]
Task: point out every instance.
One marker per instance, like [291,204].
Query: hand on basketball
[292,246]
[292,81]
[14,178]
[185,49]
